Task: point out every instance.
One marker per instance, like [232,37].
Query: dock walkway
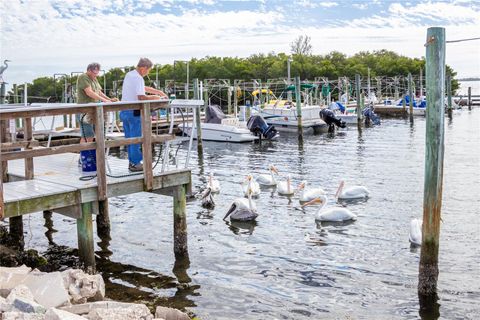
[37,179]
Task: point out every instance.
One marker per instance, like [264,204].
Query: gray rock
[12,277]
[139,310]
[4,305]
[15,315]
[56,314]
[83,287]
[132,313]
[20,291]
[48,289]
[170,314]
[28,306]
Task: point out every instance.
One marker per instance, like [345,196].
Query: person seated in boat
[89,90]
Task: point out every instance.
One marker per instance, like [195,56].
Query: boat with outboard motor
[282,113]
[218,127]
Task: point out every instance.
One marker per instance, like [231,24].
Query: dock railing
[29,148]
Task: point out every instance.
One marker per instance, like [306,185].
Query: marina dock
[37,179]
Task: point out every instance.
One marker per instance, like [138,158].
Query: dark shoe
[135,167]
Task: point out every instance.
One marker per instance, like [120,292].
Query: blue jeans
[132,127]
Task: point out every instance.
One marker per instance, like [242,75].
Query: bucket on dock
[89,160]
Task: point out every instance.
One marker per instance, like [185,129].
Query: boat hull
[220,132]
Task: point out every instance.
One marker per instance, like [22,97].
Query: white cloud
[42,38]
[361,6]
[328,4]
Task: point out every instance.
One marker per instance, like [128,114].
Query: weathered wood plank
[147,147]
[434,152]
[180,243]
[29,170]
[18,144]
[100,152]
[85,238]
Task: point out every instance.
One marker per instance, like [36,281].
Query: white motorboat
[283,115]
[218,127]
[229,130]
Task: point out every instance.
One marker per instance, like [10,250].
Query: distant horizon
[53,36]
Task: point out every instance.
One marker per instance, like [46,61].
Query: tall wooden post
[359,107]
[198,121]
[410,94]
[146,147]
[229,100]
[298,99]
[434,150]
[469,98]
[235,101]
[449,96]
[180,245]
[421,83]
[85,238]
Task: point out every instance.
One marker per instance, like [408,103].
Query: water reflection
[241,227]
[47,215]
[429,307]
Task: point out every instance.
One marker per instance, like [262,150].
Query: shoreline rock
[31,294]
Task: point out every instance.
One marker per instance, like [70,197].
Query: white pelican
[415,235]
[213,183]
[242,209]
[331,214]
[251,184]
[268,179]
[285,187]
[309,194]
[353,192]
[207,199]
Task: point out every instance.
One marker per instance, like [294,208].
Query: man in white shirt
[134,89]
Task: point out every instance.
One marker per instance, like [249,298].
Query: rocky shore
[68,295]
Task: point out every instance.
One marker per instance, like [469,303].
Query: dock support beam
[85,238]
[469,98]
[410,95]
[298,99]
[180,247]
[434,151]
[198,121]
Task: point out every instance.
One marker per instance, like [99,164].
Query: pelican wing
[335,214]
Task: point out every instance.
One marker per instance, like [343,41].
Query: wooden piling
[198,120]
[434,151]
[469,98]
[180,244]
[410,94]
[147,147]
[229,100]
[449,96]
[298,99]
[85,238]
[359,108]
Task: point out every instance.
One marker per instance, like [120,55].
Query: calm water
[286,266]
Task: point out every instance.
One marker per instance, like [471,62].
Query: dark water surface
[285,266]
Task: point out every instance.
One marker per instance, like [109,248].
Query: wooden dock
[36,179]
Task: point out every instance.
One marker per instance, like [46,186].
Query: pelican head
[273,169]
[302,185]
[319,200]
[207,199]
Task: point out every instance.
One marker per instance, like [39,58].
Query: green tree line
[258,66]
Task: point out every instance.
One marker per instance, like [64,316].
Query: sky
[45,37]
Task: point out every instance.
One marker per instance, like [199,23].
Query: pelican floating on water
[243,209]
[309,194]
[213,183]
[285,187]
[415,235]
[268,179]
[251,184]
[331,214]
[353,192]
[207,199]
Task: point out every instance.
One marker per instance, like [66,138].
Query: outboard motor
[370,115]
[328,116]
[259,127]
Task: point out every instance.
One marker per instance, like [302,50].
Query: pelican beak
[206,193]
[232,208]
[274,169]
[301,186]
[314,201]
